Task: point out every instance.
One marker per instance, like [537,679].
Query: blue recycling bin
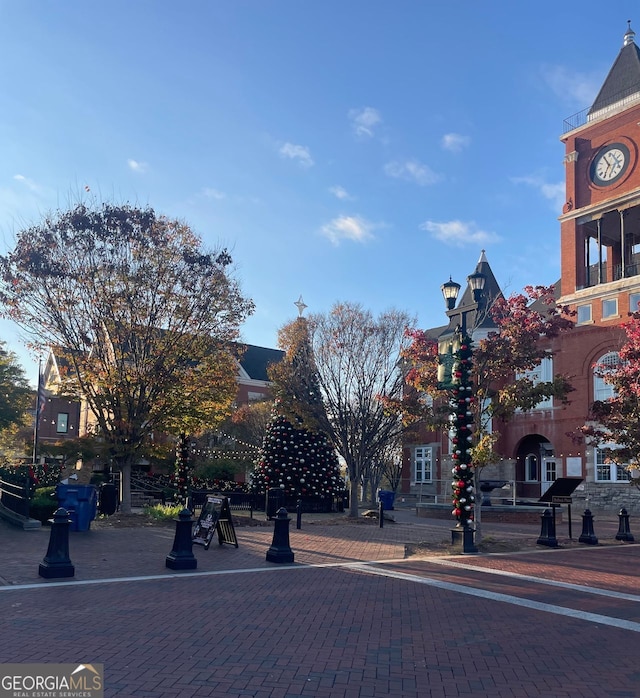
[81,501]
[386,497]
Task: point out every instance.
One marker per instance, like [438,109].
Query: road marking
[183,575]
[538,580]
[503,598]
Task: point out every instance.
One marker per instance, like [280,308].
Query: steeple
[630,35]
[622,84]
[478,316]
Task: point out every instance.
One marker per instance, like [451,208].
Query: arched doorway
[536,467]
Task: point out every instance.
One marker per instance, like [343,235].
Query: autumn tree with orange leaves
[141,317]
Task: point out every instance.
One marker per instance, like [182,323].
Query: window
[601,389]
[634,302]
[62,423]
[531,468]
[584,313]
[422,464]
[610,307]
[550,469]
[542,373]
[607,470]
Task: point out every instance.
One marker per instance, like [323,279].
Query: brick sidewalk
[104,552]
[240,626]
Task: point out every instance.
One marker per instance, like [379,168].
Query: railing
[582,117]
[244,501]
[16,495]
[509,492]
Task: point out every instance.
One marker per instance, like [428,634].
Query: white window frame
[608,472]
[601,389]
[634,302]
[614,302]
[422,465]
[584,308]
[527,468]
[542,373]
[62,423]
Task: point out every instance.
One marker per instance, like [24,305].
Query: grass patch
[163,512]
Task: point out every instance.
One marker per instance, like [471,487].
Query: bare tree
[356,361]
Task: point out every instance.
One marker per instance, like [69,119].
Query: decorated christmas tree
[299,462]
[296,455]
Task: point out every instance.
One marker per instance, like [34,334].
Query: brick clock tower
[600,224]
[600,281]
[600,262]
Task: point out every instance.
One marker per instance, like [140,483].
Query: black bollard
[623,528]
[381,514]
[182,557]
[463,537]
[299,514]
[280,550]
[587,536]
[56,563]
[548,530]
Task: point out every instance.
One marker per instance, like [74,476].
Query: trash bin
[108,499]
[81,502]
[386,497]
[275,500]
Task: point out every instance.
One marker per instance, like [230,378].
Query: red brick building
[600,280]
[64,419]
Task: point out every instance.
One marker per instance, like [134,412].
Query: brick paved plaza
[351,618]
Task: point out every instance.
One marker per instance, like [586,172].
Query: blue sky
[353,150]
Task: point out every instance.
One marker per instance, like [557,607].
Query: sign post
[560,492]
[215,517]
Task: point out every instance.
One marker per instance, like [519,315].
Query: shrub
[163,512]
[44,504]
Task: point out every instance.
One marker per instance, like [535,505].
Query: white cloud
[300,153]
[459,233]
[553,192]
[29,183]
[340,193]
[577,88]
[214,194]
[455,142]
[137,166]
[413,171]
[348,228]
[363,121]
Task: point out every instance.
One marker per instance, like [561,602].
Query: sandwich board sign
[215,517]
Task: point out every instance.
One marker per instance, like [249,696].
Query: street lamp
[459,385]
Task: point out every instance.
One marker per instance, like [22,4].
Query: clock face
[609,164]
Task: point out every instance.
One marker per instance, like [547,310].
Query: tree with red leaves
[616,421]
[498,371]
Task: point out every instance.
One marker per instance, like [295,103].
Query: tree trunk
[353,498]
[125,487]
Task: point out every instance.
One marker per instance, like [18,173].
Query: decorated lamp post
[455,377]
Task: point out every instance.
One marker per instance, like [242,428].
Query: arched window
[531,468]
[601,389]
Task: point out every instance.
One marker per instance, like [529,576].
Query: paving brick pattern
[252,628]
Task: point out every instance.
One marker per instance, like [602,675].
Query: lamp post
[458,383]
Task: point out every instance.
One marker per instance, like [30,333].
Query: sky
[361,151]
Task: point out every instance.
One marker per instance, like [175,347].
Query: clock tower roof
[623,79]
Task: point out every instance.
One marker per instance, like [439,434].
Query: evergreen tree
[298,461]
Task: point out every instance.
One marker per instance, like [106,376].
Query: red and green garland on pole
[462,402]
[183,477]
